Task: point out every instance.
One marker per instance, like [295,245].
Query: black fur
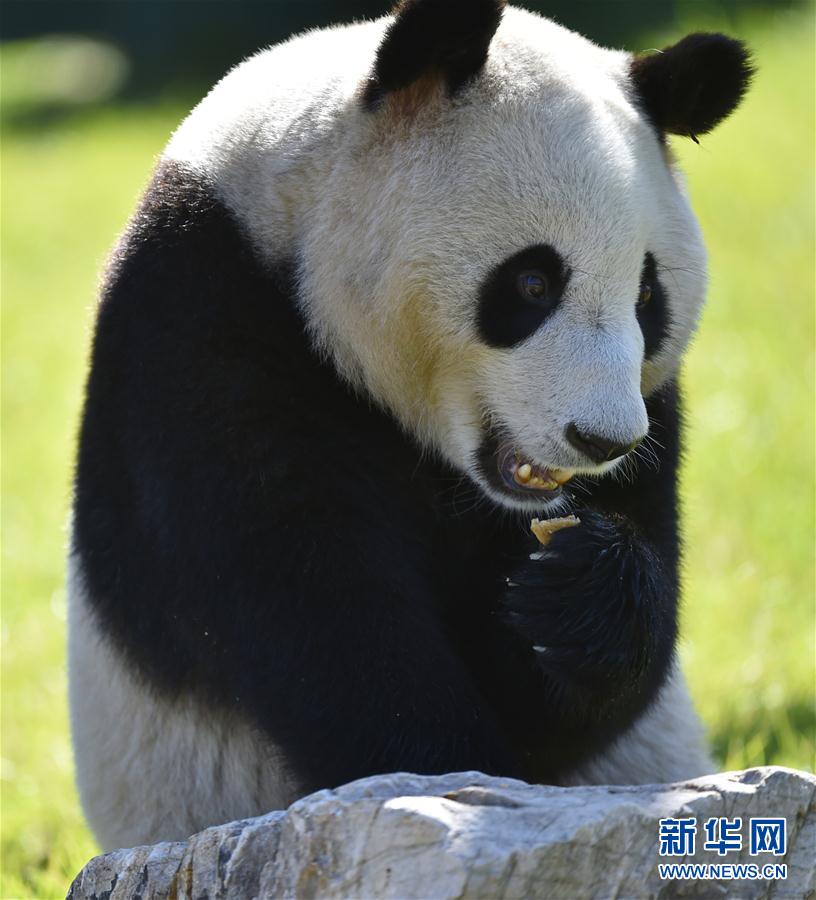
[599,612]
[505,317]
[252,532]
[653,316]
[445,37]
[693,85]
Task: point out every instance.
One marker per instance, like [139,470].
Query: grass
[66,193]
[748,482]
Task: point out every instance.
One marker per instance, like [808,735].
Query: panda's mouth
[511,472]
[520,474]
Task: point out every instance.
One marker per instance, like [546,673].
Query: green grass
[748,483]
[748,480]
[67,192]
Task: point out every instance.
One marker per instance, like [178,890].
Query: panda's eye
[644,296]
[652,307]
[532,286]
[518,295]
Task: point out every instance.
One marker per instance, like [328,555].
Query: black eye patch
[652,308]
[519,294]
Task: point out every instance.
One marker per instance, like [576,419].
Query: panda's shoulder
[192,318]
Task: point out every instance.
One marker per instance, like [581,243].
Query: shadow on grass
[758,736]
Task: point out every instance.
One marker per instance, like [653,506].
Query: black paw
[598,607]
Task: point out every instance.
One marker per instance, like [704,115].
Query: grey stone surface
[467,835]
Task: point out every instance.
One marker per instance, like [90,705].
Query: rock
[468,835]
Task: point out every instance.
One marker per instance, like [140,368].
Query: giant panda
[394,289]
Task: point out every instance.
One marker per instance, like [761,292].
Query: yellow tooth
[561,476]
[549,485]
[524,473]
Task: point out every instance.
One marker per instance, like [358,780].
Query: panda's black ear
[693,85]
[441,39]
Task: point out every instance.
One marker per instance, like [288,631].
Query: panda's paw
[596,606]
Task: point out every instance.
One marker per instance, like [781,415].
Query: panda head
[503,253]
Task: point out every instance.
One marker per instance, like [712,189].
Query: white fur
[153,770]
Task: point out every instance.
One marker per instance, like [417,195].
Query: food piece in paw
[544,529]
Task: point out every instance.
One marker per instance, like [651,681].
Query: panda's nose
[597,447]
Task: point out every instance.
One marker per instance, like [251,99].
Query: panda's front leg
[597,608]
